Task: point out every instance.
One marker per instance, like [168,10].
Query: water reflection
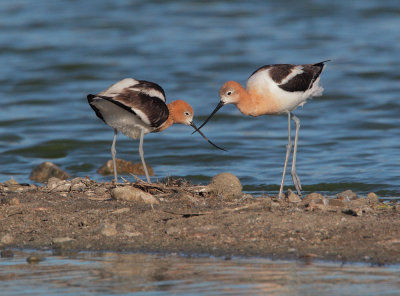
[113,273]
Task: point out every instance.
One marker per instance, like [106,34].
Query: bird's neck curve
[245,102]
[170,120]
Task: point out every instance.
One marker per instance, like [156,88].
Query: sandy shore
[179,217]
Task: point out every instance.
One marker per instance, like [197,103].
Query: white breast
[262,83]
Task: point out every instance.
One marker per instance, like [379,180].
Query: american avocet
[137,107]
[271,90]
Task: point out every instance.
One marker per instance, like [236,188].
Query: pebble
[57,185]
[62,242]
[34,259]
[312,196]
[347,195]
[11,201]
[6,239]
[12,186]
[10,182]
[130,231]
[336,203]
[100,190]
[226,185]
[124,167]
[129,193]
[78,184]
[293,197]
[45,171]
[173,230]
[372,198]
[316,204]
[109,229]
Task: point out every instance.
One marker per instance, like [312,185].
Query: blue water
[144,274]
[53,53]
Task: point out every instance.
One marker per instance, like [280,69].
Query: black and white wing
[144,99]
[293,78]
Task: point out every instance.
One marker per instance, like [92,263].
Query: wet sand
[179,217]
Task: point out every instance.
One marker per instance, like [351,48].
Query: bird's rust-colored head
[181,112]
[230,92]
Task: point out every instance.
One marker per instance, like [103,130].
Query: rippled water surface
[141,274]
[53,53]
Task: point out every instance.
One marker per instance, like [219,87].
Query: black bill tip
[219,106]
[205,138]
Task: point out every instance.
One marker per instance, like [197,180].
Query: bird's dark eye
[229,93]
[187,113]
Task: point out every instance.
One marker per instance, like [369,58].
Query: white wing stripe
[143,116]
[295,71]
[150,92]
[119,87]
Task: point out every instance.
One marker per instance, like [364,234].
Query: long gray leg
[288,149]
[295,177]
[113,153]
[142,155]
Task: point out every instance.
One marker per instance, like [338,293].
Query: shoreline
[83,215]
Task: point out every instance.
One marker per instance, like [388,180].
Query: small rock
[173,230]
[130,231]
[109,229]
[226,185]
[7,254]
[358,203]
[78,187]
[372,198]
[57,185]
[336,203]
[16,188]
[265,201]
[357,207]
[124,167]
[347,195]
[34,259]
[293,197]
[78,184]
[316,205]
[7,239]
[10,182]
[129,193]
[62,242]
[45,171]
[312,196]
[12,201]
[292,250]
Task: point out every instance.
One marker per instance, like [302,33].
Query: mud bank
[176,216]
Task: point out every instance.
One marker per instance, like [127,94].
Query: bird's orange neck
[170,121]
[256,101]
[245,102]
